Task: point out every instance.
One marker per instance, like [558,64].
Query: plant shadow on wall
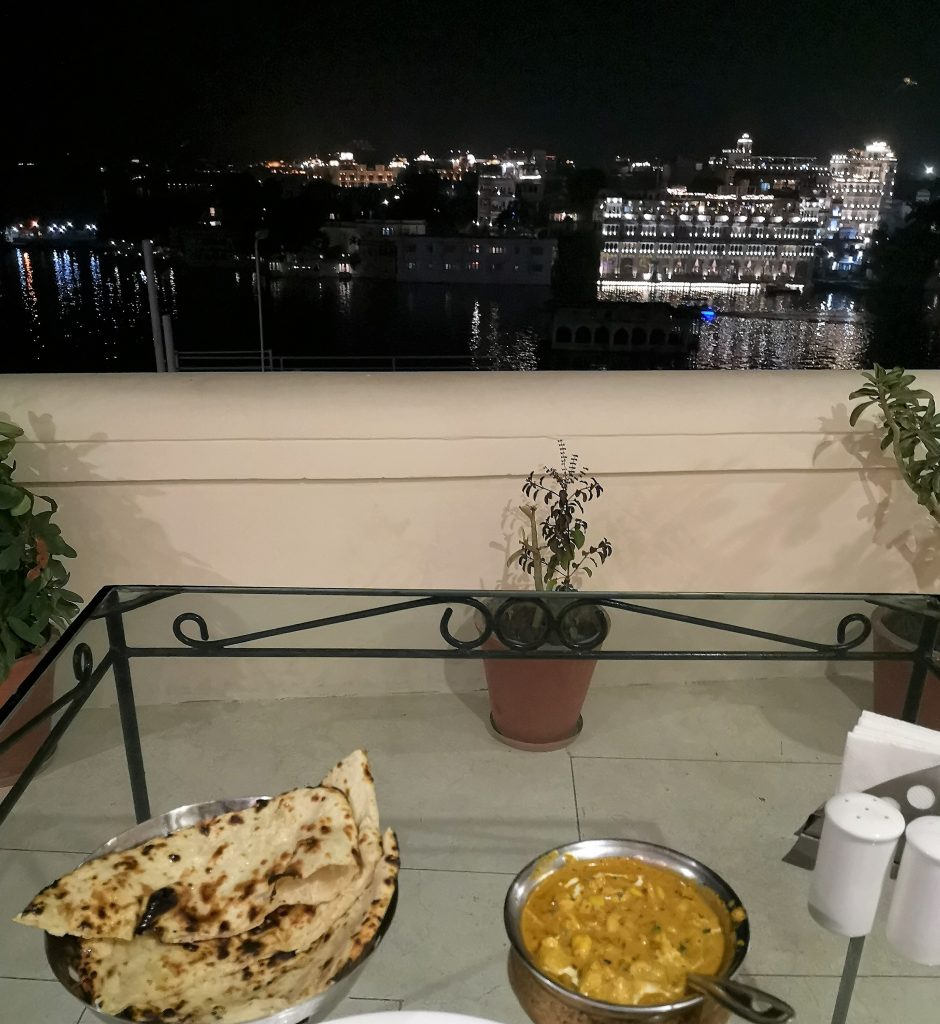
[890,507]
[464,678]
[135,539]
[112,538]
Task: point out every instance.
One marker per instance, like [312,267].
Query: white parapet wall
[724,481]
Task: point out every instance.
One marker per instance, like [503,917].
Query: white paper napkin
[881,748]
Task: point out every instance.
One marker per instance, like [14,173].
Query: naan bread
[216,878]
[240,916]
[353,778]
[259,982]
[150,973]
[282,986]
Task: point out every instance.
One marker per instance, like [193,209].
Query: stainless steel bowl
[723,898]
[62,951]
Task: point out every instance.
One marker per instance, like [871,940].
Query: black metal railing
[552,635]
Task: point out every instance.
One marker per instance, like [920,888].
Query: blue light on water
[708,314]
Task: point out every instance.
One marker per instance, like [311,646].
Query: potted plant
[536,704]
[911,430]
[34,603]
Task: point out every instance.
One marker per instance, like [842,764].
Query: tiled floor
[725,771]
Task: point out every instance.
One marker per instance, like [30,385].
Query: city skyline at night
[339,167]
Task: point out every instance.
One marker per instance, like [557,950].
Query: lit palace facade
[762,222]
[862,185]
[699,237]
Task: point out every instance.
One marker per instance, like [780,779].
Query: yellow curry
[621,931]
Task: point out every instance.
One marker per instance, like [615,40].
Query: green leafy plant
[33,600]
[911,428]
[554,550]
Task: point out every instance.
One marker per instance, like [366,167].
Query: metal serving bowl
[62,951]
[550,1003]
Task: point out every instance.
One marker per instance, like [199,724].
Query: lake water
[78,311]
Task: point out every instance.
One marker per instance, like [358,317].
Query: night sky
[585,80]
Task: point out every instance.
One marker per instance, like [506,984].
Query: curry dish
[621,930]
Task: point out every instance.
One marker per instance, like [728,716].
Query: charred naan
[147,972]
[240,916]
[254,979]
[218,878]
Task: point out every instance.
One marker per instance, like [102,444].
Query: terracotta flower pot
[536,704]
[891,677]
[40,696]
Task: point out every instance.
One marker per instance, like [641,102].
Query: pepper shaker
[914,917]
[856,848]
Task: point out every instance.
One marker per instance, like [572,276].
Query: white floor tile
[911,1000]
[447,949]
[36,1002]
[81,797]
[441,778]
[875,1001]
[785,719]
[459,799]
[22,875]
[812,998]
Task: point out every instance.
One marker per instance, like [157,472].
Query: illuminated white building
[862,187]
[505,181]
[463,162]
[697,237]
[745,170]
[359,175]
[741,154]
[765,225]
[496,193]
[343,170]
[451,168]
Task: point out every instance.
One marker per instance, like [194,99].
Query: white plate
[413,1017]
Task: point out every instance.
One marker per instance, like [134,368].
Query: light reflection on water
[805,330]
[27,284]
[75,310]
[737,343]
[67,290]
[494,347]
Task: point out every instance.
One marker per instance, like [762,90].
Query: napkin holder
[803,852]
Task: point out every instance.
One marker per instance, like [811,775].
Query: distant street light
[928,170]
[260,235]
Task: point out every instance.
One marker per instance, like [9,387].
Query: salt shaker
[914,918]
[856,848]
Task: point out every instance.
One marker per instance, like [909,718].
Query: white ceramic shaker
[914,917]
[859,837]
